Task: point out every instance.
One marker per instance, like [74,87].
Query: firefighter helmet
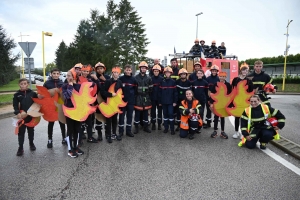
[156,67]
[182,71]
[78,65]
[202,41]
[168,69]
[197,40]
[269,87]
[143,64]
[197,63]
[99,64]
[214,41]
[214,67]
[273,121]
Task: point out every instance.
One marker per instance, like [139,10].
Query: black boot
[136,129]
[109,140]
[191,136]
[129,134]
[146,128]
[172,132]
[177,128]
[153,127]
[207,125]
[159,127]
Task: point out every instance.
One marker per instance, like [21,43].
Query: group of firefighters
[171,96]
[208,51]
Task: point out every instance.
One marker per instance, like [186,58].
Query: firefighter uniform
[129,88]
[254,123]
[182,87]
[156,81]
[259,81]
[200,90]
[167,96]
[189,123]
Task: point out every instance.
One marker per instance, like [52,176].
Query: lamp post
[286,52]
[22,55]
[43,51]
[197,23]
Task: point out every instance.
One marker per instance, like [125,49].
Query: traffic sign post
[28,49]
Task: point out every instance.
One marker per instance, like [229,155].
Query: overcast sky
[250,29]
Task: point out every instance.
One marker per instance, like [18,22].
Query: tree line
[116,37]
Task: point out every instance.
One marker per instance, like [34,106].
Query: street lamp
[197,23]
[43,51]
[22,56]
[286,52]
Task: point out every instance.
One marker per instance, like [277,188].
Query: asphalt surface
[149,166]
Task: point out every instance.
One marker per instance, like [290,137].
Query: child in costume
[168,99]
[54,82]
[190,119]
[222,77]
[112,122]
[22,101]
[72,125]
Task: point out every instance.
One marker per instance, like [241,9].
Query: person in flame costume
[260,122]
[244,69]
[112,121]
[129,88]
[190,115]
[222,77]
[88,123]
[168,99]
[156,80]
[72,124]
[182,85]
[99,78]
[142,98]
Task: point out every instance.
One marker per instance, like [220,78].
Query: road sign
[29,64]
[27,47]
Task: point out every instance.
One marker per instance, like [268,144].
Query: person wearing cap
[112,122]
[129,88]
[260,122]
[222,50]
[211,80]
[182,86]
[175,69]
[168,99]
[196,49]
[193,76]
[156,62]
[213,50]
[88,123]
[244,69]
[260,79]
[205,48]
[142,98]
[200,90]
[222,77]
[99,78]
[156,81]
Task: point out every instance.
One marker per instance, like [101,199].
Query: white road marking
[273,155]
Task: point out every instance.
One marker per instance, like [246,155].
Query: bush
[288,79]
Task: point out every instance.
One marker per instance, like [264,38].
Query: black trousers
[155,105]
[264,136]
[128,111]
[50,130]
[236,123]
[216,121]
[138,114]
[21,134]
[88,124]
[208,113]
[111,124]
[72,131]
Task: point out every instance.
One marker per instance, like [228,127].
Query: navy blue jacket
[168,92]
[67,91]
[193,77]
[128,87]
[211,80]
[22,100]
[53,83]
[200,89]
[156,80]
[182,87]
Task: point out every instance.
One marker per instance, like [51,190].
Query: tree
[7,59]
[50,66]
[60,59]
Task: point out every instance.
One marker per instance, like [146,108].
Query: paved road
[148,166]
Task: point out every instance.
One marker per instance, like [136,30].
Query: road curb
[6,115]
[287,146]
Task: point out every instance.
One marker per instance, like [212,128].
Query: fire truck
[227,64]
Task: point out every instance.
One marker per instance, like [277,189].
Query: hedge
[288,79]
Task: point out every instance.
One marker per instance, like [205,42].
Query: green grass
[289,87]
[6,98]
[11,86]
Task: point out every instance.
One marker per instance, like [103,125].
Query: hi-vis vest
[184,120]
[267,115]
